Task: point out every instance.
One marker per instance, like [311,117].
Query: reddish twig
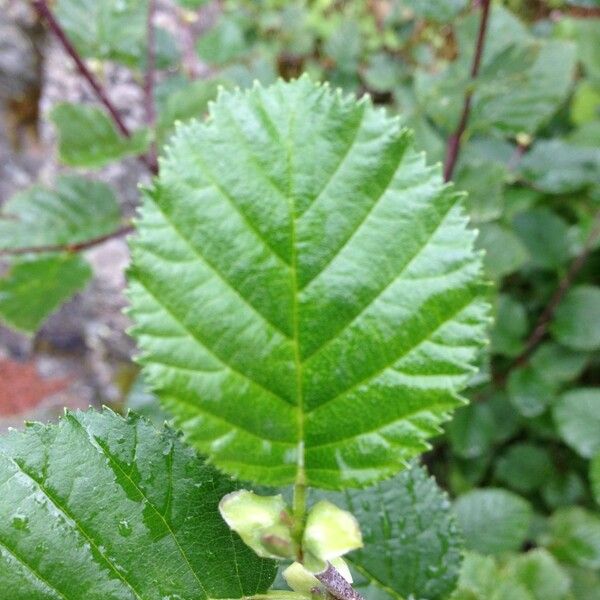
[541,328]
[149,79]
[41,6]
[150,65]
[72,248]
[455,139]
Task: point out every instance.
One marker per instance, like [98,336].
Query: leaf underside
[99,507]
[306,295]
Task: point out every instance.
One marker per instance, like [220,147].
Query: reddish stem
[541,328]
[76,247]
[41,6]
[454,141]
[150,65]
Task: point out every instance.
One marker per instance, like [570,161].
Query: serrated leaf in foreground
[412,546]
[99,507]
[306,295]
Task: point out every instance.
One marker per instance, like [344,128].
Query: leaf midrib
[300,478]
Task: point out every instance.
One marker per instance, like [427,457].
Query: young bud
[330,532]
[300,579]
[263,522]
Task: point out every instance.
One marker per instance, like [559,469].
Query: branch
[336,585]
[455,139]
[150,65]
[41,6]
[72,248]
[544,320]
[149,79]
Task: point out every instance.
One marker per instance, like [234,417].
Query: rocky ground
[82,355]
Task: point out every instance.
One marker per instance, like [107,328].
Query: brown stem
[76,247]
[544,320]
[336,585]
[150,65]
[454,141]
[149,79]
[41,6]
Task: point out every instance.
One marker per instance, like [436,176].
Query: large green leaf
[36,286]
[412,547]
[99,507]
[305,290]
[88,138]
[577,320]
[78,210]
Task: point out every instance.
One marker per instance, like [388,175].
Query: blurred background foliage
[523,459]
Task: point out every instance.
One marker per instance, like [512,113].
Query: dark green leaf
[557,167]
[557,364]
[505,252]
[100,507]
[524,467]
[114,30]
[493,520]
[511,327]
[595,477]
[577,320]
[577,416]
[545,235]
[314,304]
[35,287]
[440,11]
[529,393]
[539,572]
[471,431]
[412,547]
[224,42]
[88,138]
[574,537]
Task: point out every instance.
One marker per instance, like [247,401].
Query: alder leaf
[114,30]
[493,520]
[36,286]
[305,290]
[102,507]
[88,138]
[77,210]
[412,546]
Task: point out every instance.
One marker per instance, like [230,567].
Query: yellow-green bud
[263,522]
[330,532]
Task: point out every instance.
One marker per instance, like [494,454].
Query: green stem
[299,509]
